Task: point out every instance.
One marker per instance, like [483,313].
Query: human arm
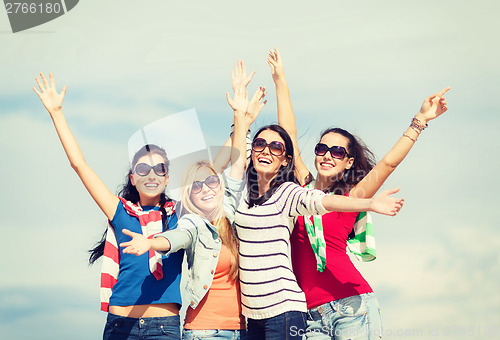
[295,200]
[245,113]
[167,242]
[222,158]
[286,117]
[432,107]
[140,244]
[382,203]
[239,79]
[52,101]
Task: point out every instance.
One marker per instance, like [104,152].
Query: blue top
[136,285]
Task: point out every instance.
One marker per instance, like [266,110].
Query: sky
[365,66]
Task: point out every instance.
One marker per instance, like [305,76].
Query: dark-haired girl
[341,304]
[141,294]
[271,299]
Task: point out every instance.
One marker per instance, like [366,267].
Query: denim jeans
[355,317]
[206,334]
[123,328]
[288,325]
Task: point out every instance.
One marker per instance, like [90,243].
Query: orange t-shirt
[221,307]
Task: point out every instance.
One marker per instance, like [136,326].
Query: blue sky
[364,66]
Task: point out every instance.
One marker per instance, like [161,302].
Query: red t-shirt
[340,279]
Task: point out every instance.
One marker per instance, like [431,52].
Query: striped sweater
[268,285]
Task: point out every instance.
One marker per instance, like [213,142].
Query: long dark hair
[130,193]
[285,173]
[364,161]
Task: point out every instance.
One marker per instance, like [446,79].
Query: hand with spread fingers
[385,204]
[139,244]
[48,94]
[239,76]
[275,62]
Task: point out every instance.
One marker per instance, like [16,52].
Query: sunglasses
[275,148]
[143,169]
[338,152]
[211,181]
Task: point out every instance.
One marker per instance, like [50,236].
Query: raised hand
[433,106]
[239,76]
[256,104]
[139,244]
[386,205]
[246,111]
[276,65]
[239,102]
[48,93]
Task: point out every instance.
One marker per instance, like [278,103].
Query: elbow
[77,165]
[389,163]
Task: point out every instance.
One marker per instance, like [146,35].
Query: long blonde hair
[220,221]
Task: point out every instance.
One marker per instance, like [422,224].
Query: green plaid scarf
[362,245]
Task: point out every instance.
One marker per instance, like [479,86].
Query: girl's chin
[329,173]
[151,193]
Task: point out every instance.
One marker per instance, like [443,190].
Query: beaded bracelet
[413,139]
[417,124]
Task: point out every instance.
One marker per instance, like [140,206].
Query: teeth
[151,186]
[326,165]
[264,160]
[206,198]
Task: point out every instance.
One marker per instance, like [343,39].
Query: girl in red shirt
[341,303]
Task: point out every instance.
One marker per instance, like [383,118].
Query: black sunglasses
[143,169]
[276,148]
[211,181]
[338,152]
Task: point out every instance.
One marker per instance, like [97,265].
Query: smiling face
[329,167]
[265,163]
[151,185]
[209,198]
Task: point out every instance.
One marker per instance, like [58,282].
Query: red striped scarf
[151,224]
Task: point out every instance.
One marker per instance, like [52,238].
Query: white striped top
[268,285]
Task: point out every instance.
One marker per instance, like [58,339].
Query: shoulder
[288,187]
[191,220]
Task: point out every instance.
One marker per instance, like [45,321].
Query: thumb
[128,232]
[228,98]
[250,77]
[391,191]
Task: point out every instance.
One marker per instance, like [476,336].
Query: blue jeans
[195,334]
[123,328]
[288,325]
[355,317]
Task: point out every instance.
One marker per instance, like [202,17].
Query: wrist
[240,124]
[280,81]
[420,116]
[56,111]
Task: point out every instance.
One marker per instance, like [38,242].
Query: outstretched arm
[141,244]
[239,79]
[382,203]
[52,101]
[245,113]
[433,106]
[286,117]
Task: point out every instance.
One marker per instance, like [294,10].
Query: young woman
[341,303]
[271,299]
[144,298]
[205,231]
